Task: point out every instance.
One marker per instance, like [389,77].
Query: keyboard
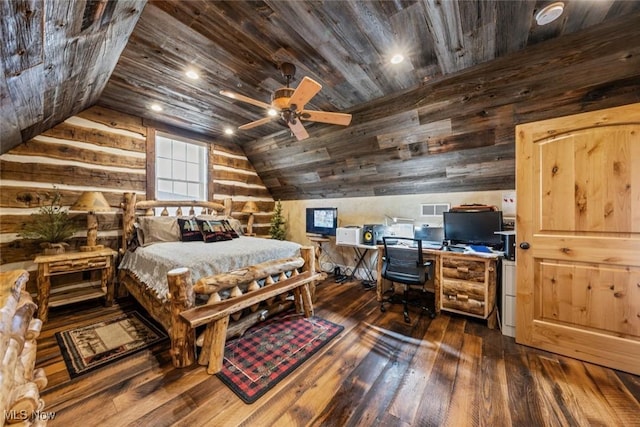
[430,245]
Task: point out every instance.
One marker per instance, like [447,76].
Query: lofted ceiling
[345,45]
[60,57]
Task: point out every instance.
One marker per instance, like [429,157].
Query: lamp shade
[250,207]
[91,201]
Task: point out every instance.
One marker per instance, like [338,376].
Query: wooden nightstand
[74,262]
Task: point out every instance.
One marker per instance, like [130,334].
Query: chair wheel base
[404,300]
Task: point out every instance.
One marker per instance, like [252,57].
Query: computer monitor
[473,228]
[322,221]
[429,234]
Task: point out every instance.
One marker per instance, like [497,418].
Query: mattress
[150,264]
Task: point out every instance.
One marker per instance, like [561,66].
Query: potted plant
[51,225]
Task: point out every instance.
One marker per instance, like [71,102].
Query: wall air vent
[431,209]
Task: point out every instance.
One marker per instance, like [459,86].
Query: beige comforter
[150,264]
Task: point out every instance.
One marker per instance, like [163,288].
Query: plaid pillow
[189,230]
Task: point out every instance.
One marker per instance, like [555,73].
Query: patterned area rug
[268,352]
[90,347]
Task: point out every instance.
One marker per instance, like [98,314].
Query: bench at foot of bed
[216,314]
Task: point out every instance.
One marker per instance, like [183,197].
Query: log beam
[181,298]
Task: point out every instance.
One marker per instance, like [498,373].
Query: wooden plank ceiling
[345,45]
[57,57]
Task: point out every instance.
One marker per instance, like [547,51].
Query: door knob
[525,245]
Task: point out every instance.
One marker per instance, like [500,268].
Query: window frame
[153,154]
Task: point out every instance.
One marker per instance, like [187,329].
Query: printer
[349,235]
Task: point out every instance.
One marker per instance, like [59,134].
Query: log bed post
[308,254]
[128,218]
[228,206]
[181,298]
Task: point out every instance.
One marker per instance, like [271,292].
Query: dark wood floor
[379,371]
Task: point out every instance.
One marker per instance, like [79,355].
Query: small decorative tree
[278,230]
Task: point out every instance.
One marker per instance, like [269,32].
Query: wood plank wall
[101,150]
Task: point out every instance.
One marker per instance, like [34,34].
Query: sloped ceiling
[57,57]
[432,123]
[345,45]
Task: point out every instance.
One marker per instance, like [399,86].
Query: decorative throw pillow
[213,231]
[229,229]
[235,223]
[189,230]
[155,229]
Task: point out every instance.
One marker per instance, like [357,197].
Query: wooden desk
[464,283]
[74,262]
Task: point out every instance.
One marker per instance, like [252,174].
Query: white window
[181,169]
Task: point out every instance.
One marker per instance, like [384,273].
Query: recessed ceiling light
[156,107]
[272,112]
[397,58]
[228,131]
[549,13]
[192,75]
[228,94]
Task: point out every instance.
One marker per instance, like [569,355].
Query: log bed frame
[242,299]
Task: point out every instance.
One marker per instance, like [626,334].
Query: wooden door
[578,193]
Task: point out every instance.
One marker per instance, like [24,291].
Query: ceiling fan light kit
[290,103]
[280,98]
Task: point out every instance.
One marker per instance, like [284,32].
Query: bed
[147,270]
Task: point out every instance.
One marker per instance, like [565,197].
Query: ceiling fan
[289,104]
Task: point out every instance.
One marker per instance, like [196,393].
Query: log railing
[20,383]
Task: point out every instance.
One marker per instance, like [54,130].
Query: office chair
[403,263]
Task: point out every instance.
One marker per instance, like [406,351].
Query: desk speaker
[368,237]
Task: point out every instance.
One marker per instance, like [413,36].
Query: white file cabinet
[509,298]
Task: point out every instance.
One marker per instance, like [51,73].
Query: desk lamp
[401,227]
[396,220]
[250,207]
[91,202]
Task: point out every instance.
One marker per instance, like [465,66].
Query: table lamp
[91,202]
[250,207]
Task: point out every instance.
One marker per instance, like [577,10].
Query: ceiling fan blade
[256,123]
[306,90]
[326,117]
[298,130]
[246,99]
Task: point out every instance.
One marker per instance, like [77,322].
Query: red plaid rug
[268,352]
